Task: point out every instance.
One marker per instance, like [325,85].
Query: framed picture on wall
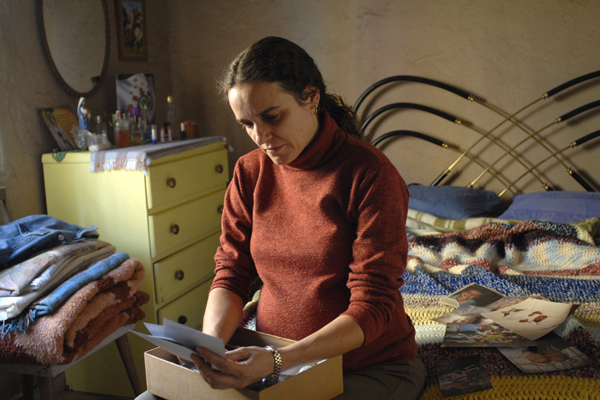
[131,30]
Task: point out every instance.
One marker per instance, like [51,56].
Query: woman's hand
[240,367]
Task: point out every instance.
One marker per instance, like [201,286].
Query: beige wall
[508,53]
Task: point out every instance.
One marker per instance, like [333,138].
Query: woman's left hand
[240,367]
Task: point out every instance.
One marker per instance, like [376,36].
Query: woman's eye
[271,118]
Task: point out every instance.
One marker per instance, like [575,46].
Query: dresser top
[136,158]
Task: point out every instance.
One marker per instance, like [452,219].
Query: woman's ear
[313,96]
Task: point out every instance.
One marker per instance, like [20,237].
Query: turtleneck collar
[321,149]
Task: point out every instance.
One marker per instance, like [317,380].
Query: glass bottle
[121,130]
[171,112]
[99,131]
[135,134]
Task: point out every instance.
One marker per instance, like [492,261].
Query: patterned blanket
[559,262]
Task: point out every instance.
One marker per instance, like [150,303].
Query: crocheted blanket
[90,315]
[559,262]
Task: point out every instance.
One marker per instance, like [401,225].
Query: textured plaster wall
[26,84]
[506,52]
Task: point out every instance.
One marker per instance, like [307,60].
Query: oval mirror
[75,35]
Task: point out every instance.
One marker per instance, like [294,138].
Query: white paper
[173,348]
[181,340]
[531,318]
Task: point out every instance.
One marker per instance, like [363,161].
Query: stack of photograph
[521,328]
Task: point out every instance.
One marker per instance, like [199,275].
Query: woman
[318,215]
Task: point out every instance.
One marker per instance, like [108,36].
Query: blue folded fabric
[61,294]
[73,284]
[21,239]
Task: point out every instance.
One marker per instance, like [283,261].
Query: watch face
[269,381]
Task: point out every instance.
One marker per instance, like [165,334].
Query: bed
[486,225]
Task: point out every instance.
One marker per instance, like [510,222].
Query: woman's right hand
[240,367]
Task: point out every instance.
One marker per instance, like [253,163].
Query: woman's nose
[262,133]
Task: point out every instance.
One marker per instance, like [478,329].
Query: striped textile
[556,261]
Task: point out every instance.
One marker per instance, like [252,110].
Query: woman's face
[274,119]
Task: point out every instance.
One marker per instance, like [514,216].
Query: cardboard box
[166,378]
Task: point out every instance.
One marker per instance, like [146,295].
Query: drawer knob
[179,275]
[175,229]
[171,182]
[219,169]
[182,319]
[220,209]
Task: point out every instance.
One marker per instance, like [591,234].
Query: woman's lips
[272,150]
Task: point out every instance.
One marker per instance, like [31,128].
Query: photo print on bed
[462,376]
[553,353]
[483,335]
[472,295]
[532,318]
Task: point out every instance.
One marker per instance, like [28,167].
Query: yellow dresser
[169,219]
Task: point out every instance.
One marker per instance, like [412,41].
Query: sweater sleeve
[379,207]
[235,269]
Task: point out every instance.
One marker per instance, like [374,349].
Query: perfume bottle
[121,130]
[135,136]
[171,118]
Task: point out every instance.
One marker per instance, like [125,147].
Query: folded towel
[12,306]
[87,317]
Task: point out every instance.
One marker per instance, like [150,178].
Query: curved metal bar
[578,111]
[573,144]
[558,120]
[421,107]
[570,83]
[410,78]
[419,135]
[445,173]
[437,142]
[450,118]
[546,95]
[585,139]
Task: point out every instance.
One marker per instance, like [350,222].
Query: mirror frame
[55,71]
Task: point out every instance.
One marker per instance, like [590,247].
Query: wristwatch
[274,377]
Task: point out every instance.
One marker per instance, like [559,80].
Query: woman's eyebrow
[267,110]
[260,114]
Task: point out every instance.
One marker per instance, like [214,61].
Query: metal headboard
[530,169]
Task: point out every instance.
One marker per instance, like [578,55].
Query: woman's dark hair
[274,59]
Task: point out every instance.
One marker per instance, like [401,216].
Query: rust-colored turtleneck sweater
[326,235]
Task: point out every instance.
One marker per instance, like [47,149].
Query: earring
[315,110]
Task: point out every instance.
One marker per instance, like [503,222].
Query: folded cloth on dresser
[58,296]
[33,273]
[50,274]
[90,315]
[138,158]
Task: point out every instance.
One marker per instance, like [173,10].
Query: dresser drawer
[176,228]
[174,181]
[189,308]
[185,269]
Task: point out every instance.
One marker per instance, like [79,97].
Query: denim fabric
[25,237]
